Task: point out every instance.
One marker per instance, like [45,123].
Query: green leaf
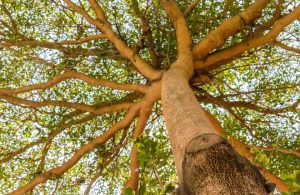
[142,189]
[169,188]
[128,191]
[297,178]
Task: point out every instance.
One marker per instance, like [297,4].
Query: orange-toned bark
[58,171]
[102,24]
[146,108]
[214,60]
[217,37]
[184,63]
[77,106]
[76,75]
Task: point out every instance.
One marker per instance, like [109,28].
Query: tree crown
[79,88]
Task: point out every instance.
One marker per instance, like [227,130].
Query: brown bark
[205,162]
[182,114]
[217,37]
[103,25]
[218,58]
[211,166]
[60,170]
[144,114]
[242,149]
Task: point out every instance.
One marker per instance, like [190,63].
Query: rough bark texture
[205,162]
[211,166]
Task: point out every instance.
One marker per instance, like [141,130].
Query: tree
[87,87]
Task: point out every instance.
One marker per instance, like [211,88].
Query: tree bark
[205,162]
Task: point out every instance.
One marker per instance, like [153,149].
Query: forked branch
[214,60]
[190,8]
[58,171]
[144,114]
[102,24]
[217,37]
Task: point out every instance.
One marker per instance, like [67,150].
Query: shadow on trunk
[212,167]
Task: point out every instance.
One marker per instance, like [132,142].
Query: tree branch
[273,111]
[248,105]
[41,166]
[278,88]
[54,44]
[71,52]
[78,106]
[62,126]
[269,23]
[107,160]
[142,66]
[214,60]
[144,114]
[284,151]
[76,75]
[180,26]
[32,58]
[190,8]
[58,171]
[146,29]
[217,37]
[285,47]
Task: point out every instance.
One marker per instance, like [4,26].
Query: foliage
[255,95]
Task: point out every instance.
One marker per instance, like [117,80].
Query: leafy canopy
[64,82]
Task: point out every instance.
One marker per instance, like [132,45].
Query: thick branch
[134,165]
[185,57]
[217,37]
[214,60]
[133,180]
[142,66]
[144,115]
[269,23]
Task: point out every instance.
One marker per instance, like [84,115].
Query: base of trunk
[212,167]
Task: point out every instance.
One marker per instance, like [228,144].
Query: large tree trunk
[205,162]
